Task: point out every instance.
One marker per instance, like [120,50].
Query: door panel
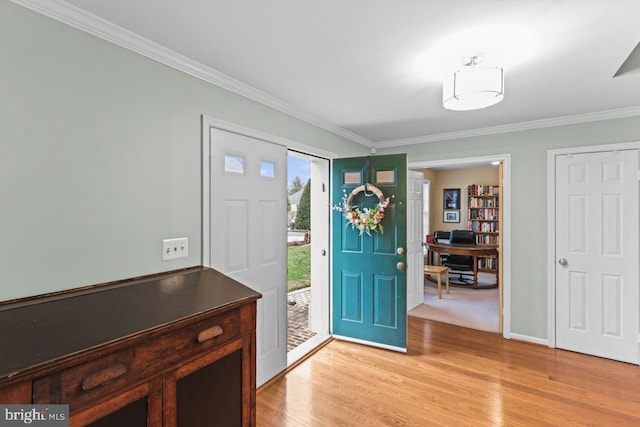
[351,297]
[369,290]
[248,233]
[237,217]
[269,338]
[597,297]
[384,290]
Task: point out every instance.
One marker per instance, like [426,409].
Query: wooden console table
[175,349]
[474,250]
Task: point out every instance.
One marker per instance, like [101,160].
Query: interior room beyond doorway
[457,202]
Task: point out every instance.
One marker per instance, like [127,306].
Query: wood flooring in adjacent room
[452,376]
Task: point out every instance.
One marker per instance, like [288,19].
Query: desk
[474,250]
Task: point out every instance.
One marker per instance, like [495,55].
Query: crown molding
[513,127]
[92,24]
[75,17]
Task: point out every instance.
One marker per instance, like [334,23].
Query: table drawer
[202,336]
[85,384]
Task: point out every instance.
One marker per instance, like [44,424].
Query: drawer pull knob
[210,333]
[111,373]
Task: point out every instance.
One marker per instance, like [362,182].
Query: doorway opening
[307,249]
[485,309]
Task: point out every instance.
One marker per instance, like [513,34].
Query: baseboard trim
[529,339]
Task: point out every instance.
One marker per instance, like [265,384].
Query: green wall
[100,156]
[528,151]
[100,161]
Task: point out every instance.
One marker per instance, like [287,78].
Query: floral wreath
[365,220]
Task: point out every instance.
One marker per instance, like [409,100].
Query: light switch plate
[175,248]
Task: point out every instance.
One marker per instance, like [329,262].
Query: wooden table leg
[475,271]
[439,285]
[447,277]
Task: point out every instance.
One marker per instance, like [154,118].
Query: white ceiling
[374,68]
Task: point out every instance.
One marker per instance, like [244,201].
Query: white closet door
[597,254]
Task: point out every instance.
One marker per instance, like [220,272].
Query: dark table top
[33,334]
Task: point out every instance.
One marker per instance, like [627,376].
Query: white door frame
[505,206]
[319,309]
[425,194]
[551,224]
[415,227]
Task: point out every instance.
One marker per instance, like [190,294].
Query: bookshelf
[483,217]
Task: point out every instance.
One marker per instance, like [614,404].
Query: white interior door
[248,215]
[597,254]
[415,253]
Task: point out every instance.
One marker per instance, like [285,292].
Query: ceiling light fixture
[473,87]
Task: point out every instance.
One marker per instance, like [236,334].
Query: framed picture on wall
[451,216]
[451,198]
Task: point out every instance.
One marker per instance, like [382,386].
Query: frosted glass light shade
[472,88]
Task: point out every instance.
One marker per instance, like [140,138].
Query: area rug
[471,308]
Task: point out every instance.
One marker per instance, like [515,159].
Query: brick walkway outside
[298,317]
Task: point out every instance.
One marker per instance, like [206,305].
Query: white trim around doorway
[506,222]
[551,224]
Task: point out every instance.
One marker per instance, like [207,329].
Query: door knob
[400,265]
[400,251]
[563,262]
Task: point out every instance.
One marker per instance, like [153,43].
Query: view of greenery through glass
[299,268]
[298,222]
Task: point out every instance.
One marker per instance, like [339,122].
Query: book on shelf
[481,226]
[483,190]
[483,214]
[488,263]
[487,239]
[483,202]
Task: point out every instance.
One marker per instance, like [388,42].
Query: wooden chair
[437,270]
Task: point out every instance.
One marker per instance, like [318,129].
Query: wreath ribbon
[364,188]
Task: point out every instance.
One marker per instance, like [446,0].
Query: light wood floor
[452,376]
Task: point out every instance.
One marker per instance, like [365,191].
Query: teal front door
[369,250]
